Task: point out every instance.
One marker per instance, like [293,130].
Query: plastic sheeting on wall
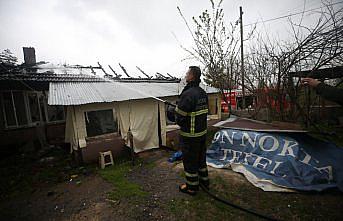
[141,116]
[75,132]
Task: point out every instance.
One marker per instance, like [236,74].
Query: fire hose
[235,206]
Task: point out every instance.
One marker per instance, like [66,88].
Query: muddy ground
[83,194]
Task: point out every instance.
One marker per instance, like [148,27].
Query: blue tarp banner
[287,160]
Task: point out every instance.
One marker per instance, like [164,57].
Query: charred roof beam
[124,70]
[149,77]
[103,70]
[114,72]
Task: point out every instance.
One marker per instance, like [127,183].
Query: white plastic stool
[102,159]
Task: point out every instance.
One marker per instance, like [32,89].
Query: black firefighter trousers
[194,161]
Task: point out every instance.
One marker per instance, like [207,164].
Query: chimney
[29,55]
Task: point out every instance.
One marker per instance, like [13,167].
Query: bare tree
[268,62]
[7,57]
[215,47]
[310,48]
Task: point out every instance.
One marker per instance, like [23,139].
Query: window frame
[13,108]
[117,132]
[28,110]
[47,113]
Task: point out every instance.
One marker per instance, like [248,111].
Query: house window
[10,116]
[55,113]
[42,104]
[100,122]
[34,107]
[14,109]
[52,113]
[27,108]
[20,107]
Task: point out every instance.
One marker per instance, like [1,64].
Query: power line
[292,14]
[305,3]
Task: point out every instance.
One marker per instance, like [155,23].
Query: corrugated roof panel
[157,89]
[165,89]
[76,93]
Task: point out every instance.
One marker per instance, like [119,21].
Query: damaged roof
[75,84]
[46,72]
[76,93]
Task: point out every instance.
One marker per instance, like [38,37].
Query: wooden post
[308,105]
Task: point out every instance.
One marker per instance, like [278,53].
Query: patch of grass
[330,133]
[203,207]
[123,187]
[293,206]
[150,165]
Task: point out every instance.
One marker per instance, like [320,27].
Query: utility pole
[242,56]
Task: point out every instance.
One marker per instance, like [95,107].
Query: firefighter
[191,116]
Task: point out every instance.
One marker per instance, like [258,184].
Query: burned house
[25,114]
[45,104]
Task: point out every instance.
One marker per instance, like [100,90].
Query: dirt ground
[84,196]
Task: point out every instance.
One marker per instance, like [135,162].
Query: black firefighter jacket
[330,93]
[191,111]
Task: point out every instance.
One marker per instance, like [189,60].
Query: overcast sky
[132,32]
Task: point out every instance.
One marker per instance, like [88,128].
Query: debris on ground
[47,159]
[175,157]
[73,176]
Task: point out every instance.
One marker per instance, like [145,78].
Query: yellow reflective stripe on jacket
[195,183]
[181,112]
[185,134]
[203,169]
[195,113]
[191,174]
[192,124]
